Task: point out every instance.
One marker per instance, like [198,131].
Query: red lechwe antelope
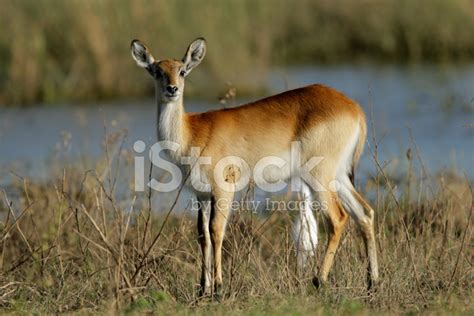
[324,122]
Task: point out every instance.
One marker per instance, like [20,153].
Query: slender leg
[206,246]
[219,215]
[363,215]
[337,220]
[366,225]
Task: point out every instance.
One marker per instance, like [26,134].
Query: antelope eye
[182,73]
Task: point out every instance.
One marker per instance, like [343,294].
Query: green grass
[54,51]
[307,305]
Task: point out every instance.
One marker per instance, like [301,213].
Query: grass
[56,51]
[85,242]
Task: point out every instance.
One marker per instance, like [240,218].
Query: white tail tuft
[305,229]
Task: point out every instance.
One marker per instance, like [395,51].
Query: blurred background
[67,78]
[63,51]
[76,236]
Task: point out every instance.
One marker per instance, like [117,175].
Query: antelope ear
[141,55]
[195,54]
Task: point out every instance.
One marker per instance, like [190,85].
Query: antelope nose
[172,89]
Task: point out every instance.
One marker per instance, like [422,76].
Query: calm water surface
[435,103]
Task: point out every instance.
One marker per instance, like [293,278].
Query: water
[437,104]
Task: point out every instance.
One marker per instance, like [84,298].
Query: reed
[56,51]
[85,242]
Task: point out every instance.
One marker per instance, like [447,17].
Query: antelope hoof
[372,285]
[218,292]
[204,291]
[318,283]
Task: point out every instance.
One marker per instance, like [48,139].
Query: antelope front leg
[219,216]
[206,246]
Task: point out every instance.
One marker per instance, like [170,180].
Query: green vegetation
[83,242]
[52,51]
